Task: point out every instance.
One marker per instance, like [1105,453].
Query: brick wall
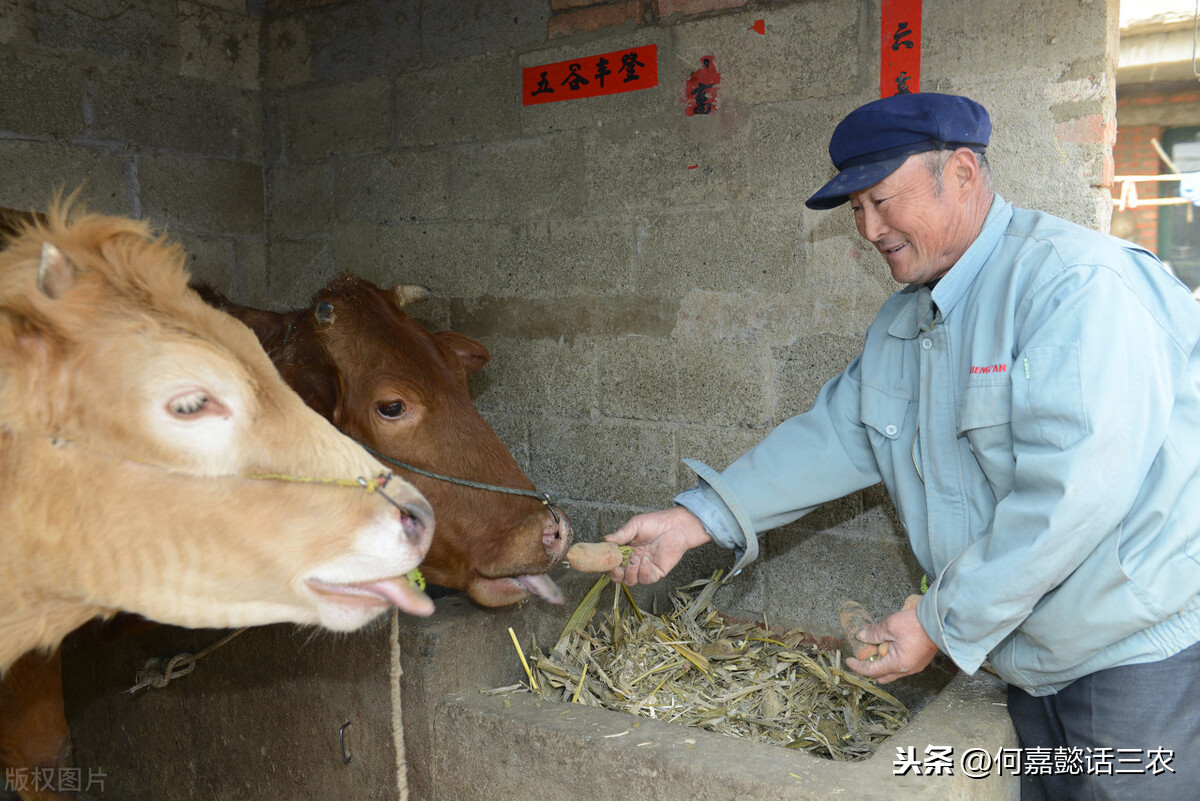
[1143,114]
[1135,155]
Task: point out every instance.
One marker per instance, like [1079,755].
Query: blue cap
[875,139]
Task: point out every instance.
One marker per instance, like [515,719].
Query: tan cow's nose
[416,518]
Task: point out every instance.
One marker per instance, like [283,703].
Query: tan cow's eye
[188,404]
[391,410]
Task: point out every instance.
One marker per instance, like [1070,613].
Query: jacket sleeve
[814,457]
[1093,384]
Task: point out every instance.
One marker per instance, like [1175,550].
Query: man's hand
[909,648]
[659,540]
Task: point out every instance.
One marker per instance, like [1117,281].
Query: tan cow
[152,460]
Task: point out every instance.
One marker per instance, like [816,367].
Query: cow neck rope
[545,498]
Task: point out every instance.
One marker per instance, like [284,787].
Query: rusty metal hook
[342,738]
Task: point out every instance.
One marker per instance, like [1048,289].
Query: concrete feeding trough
[264,716]
[479,746]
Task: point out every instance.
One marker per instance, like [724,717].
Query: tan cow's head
[152,459]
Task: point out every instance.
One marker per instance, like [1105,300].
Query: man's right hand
[659,539]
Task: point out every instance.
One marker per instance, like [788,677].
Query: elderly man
[1031,400]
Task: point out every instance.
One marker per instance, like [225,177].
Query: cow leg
[33,726]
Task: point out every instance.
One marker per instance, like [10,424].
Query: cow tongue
[399,592]
[402,594]
[542,586]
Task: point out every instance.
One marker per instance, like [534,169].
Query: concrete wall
[152,109]
[649,283]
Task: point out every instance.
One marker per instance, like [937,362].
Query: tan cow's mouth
[399,592]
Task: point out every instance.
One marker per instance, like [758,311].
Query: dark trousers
[1119,725]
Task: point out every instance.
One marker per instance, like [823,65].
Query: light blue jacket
[1036,419]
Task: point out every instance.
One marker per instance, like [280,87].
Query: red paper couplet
[702,89]
[900,48]
[591,76]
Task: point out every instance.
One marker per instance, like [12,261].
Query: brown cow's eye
[391,410]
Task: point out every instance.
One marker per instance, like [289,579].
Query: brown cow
[357,358]
[152,460]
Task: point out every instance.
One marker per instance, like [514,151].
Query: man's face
[914,220]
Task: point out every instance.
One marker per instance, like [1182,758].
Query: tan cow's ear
[405,294]
[472,354]
[55,273]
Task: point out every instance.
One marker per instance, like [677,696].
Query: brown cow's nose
[416,520]
[556,536]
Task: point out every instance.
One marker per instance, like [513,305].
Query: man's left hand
[909,648]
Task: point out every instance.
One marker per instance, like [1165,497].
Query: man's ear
[964,167]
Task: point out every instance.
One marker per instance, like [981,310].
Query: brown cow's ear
[55,273]
[269,327]
[320,388]
[471,353]
[273,329]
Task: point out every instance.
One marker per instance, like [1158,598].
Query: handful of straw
[696,667]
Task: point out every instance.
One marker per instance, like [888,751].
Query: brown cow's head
[381,377]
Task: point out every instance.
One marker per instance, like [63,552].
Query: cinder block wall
[649,283]
[152,109]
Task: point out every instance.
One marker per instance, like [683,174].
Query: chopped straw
[532,681]
[697,667]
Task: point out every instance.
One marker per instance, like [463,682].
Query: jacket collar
[916,311]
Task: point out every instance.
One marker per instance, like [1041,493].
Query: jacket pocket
[985,420]
[882,413]
[1053,394]
[985,405]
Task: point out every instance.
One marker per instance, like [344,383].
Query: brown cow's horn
[411,293]
[324,313]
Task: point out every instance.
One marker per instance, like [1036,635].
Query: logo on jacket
[989,368]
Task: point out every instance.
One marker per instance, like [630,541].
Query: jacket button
[890,431]
[926,343]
